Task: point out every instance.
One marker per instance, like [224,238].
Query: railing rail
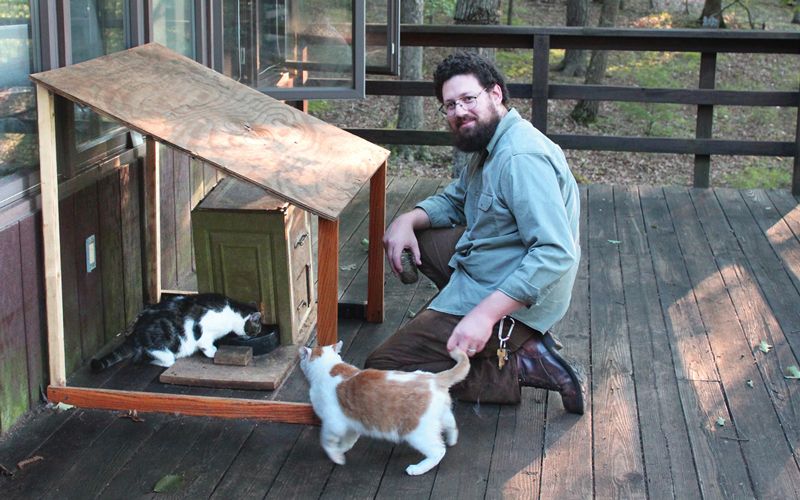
[708,43]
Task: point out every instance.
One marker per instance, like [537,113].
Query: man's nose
[460,110]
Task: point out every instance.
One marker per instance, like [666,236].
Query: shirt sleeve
[446,209]
[530,189]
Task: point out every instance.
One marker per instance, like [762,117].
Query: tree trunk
[574,62]
[586,111]
[410,110]
[473,12]
[712,14]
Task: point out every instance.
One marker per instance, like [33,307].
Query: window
[97,27]
[295,49]
[173,25]
[19,141]
[383,37]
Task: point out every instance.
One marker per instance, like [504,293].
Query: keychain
[502,352]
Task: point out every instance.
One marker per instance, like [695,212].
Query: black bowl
[267,341]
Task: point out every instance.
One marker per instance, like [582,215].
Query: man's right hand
[400,235]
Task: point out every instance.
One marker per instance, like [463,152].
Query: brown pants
[421,344]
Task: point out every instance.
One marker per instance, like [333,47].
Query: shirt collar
[505,123]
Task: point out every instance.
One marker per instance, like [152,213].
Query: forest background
[642,69]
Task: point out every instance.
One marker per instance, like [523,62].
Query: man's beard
[478,137]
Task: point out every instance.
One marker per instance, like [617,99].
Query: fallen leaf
[133,415]
[749,383]
[721,421]
[793,372]
[348,267]
[614,242]
[411,313]
[36,458]
[764,347]
[168,483]
[64,407]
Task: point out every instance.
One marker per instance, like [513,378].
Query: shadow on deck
[678,288]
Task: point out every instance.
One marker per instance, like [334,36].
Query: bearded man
[500,243]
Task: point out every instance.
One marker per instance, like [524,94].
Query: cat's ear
[304,352]
[337,348]
[256,316]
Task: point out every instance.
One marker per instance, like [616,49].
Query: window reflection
[97,28]
[173,25]
[18,131]
[272,44]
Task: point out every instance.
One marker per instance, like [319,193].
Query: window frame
[392,65]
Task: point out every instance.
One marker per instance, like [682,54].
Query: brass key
[502,356]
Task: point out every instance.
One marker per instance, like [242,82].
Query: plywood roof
[249,135]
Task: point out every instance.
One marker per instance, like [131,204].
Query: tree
[410,111]
[574,62]
[796,15]
[473,12]
[586,111]
[712,14]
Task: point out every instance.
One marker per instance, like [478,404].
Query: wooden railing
[708,43]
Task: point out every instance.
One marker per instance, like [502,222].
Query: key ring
[500,336]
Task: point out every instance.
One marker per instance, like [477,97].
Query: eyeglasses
[467,102]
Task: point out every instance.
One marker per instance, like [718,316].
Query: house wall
[97,304]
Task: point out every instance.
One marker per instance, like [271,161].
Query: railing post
[541,67]
[705,118]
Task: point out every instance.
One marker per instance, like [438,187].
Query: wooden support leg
[52,241]
[375,263]
[328,285]
[152,201]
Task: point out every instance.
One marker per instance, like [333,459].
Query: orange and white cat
[399,406]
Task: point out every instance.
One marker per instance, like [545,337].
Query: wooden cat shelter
[173,100]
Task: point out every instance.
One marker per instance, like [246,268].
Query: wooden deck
[678,288]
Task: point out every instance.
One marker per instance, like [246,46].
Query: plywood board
[182,103]
[265,372]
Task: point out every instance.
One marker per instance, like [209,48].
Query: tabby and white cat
[181,325]
[399,406]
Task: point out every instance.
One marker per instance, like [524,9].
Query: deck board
[676,289]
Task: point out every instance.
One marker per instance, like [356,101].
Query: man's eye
[468,99]
[450,106]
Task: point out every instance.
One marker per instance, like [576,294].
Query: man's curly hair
[469,63]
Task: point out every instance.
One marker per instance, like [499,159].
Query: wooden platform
[678,288]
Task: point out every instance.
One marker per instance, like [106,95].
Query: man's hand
[474,330]
[400,235]
[471,333]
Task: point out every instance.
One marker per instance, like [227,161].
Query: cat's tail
[121,353]
[457,373]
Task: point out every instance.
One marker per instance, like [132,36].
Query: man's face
[472,128]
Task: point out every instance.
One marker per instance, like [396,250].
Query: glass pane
[18,131]
[97,28]
[173,25]
[377,14]
[271,44]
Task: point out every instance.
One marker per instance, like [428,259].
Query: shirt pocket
[485,217]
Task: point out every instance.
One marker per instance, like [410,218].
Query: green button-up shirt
[521,212]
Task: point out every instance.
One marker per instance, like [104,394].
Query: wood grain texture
[89,284]
[152,221]
[327,296]
[377,224]
[144,402]
[50,229]
[32,271]
[109,246]
[249,135]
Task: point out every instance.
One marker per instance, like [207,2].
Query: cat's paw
[416,469]
[210,352]
[337,458]
[451,437]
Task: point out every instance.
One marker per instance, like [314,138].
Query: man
[500,243]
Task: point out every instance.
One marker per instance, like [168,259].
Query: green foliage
[318,106]
[759,177]
[657,70]
[515,64]
[437,9]
[15,9]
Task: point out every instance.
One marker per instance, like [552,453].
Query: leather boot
[538,365]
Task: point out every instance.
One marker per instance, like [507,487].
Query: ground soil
[763,73]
